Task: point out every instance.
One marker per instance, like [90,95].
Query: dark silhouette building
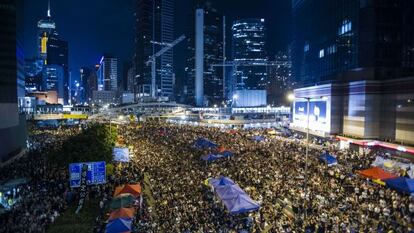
[154,22]
[12,124]
[212,28]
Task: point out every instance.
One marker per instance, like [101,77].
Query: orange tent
[122,213]
[134,189]
[376,173]
[221,149]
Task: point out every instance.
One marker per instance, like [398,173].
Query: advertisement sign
[318,115]
[95,174]
[121,154]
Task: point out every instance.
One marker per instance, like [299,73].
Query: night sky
[94,27]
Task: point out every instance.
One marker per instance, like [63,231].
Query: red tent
[376,173]
[134,189]
[122,213]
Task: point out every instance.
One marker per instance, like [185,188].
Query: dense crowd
[169,167]
[272,172]
[42,199]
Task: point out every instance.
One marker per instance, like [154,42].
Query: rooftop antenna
[48,9]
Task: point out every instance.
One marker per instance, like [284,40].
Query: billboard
[96,173]
[319,115]
[121,154]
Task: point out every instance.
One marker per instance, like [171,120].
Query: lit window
[306,47]
[321,53]
[345,27]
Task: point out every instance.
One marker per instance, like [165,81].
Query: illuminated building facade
[45,28]
[154,21]
[108,74]
[249,36]
[364,52]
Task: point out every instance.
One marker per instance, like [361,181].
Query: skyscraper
[360,56]
[45,28]
[154,23]
[108,74]
[249,38]
[12,124]
[57,55]
[205,46]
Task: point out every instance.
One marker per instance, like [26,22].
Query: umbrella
[122,200]
[118,225]
[134,189]
[125,213]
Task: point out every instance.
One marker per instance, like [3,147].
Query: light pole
[291,98]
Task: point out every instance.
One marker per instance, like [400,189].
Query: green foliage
[93,144]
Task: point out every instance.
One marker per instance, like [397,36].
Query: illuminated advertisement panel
[319,115]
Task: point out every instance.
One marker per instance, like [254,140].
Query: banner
[82,193]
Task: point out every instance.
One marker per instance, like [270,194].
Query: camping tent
[222,180]
[211,157]
[376,173]
[227,154]
[122,200]
[202,143]
[226,192]
[125,213]
[401,184]
[241,204]
[119,225]
[329,159]
[134,189]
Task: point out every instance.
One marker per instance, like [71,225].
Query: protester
[176,199]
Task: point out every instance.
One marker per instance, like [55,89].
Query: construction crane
[152,60]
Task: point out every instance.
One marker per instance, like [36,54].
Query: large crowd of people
[41,198]
[272,172]
[177,198]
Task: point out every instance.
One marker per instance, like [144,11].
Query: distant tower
[249,39]
[45,28]
[108,74]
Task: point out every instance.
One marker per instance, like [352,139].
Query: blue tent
[227,154]
[211,157]
[202,143]
[118,225]
[258,138]
[226,192]
[241,204]
[329,159]
[222,180]
[401,184]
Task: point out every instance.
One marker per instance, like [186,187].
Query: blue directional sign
[96,173]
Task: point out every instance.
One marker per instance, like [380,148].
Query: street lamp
[291,97]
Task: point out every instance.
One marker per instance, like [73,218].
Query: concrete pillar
[199,55]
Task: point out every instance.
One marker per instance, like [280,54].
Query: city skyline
[89,29]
